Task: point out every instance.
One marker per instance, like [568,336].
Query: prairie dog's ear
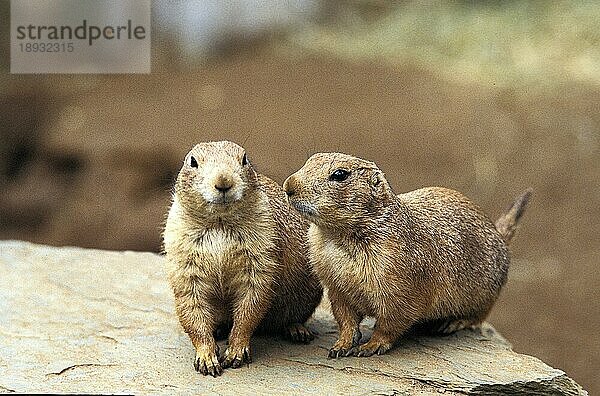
[377,181]
[376,177]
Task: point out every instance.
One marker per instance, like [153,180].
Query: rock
[90,321]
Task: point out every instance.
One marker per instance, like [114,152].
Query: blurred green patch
[504,43]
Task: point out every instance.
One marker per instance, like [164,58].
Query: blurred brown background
[486,97]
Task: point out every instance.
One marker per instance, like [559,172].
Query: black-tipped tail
[507,223]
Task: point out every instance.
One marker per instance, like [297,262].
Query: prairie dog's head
[334,189]
[214,175]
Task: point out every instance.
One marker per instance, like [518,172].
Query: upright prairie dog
[236,256]
[429,259]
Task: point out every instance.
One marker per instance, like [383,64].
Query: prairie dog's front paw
[236,356]
[339,349]
[207,361]
[343,346]
[371,348]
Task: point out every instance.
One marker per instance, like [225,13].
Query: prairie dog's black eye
[339,175]
[193,162]
[244,160]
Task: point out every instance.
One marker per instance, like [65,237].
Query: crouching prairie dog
[237,257]
[429,259]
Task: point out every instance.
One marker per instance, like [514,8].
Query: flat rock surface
[90,321]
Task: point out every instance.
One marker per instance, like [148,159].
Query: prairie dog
[428,259]
[236,256]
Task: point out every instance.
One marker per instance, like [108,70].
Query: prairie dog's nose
[223,183]
[289,186]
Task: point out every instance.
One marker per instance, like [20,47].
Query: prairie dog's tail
[507,223]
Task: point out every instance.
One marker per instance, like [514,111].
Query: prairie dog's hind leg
[452,325]
[297,332]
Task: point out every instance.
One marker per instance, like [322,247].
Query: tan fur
[236,256]
[429,259]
